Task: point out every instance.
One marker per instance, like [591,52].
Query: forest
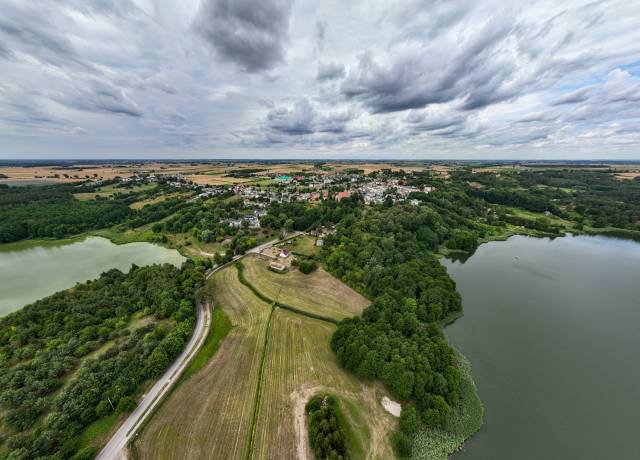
[52,211]
[590,197]
[386,255]
[79,355]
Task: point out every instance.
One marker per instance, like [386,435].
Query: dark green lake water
[552,330]
[36,271]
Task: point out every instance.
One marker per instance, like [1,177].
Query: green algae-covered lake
[552,330]
[29,272]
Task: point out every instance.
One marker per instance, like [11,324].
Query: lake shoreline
[34,269]
[531,258]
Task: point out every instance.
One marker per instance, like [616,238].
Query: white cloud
[412,78]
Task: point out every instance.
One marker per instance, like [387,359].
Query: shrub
[326,436]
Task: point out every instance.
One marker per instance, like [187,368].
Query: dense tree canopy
[70,358]
[326,435]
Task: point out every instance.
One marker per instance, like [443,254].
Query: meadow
[248,400]
[317,292]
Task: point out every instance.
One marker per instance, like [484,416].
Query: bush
[307,266]
[402,444]
[127,404]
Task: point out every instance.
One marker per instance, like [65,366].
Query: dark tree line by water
[79,355]
[52,211]
[385,254]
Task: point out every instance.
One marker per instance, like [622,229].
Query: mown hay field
[300,363]
[209,415]
[317,292]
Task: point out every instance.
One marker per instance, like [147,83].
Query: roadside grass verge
[220,327]
[209,415]
[435,444]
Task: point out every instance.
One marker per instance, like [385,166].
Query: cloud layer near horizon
[294,78]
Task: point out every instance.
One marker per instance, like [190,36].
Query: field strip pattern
[210,417]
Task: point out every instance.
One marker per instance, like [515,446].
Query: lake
[39,270]
[551,328]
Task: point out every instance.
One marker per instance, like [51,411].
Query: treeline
[327,437]
[300,216]
[588,197]
[53,212]
[206,220]
[386,254]
[76,356]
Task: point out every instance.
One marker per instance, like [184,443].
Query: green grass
[129,236]
[220,327]
[535,215]
[435,444]
[28,244]
[305,245]
[98,429]
[354,442]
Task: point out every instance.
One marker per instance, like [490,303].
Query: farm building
[275,266]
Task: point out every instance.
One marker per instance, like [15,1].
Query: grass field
[318,292]
[299,364]
[305,245]
[210,414]
[109,190]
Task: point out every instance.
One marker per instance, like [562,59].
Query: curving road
[115,446]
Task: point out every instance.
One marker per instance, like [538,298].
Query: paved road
[115,447]
[255,250]
[116,444]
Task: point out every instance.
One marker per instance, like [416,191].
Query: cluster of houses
[250,220]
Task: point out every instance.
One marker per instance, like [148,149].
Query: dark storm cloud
[419,76]
[248,33]
[302,118]
[329,71]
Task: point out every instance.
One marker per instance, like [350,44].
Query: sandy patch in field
[392,407]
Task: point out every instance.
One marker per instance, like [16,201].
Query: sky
[374,79]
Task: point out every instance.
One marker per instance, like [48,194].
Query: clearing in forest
[317,292]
